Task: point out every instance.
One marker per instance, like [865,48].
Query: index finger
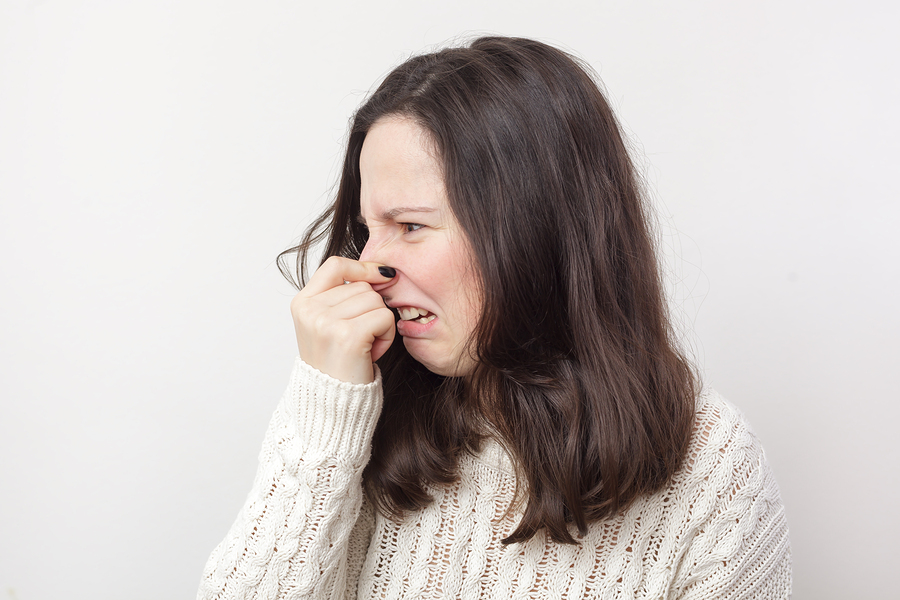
[336,270]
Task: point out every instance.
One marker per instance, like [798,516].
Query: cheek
[437,276]
[429,280]
[462,286]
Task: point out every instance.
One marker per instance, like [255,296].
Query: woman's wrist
[334,417]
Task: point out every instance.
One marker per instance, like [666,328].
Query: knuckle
[332,261]
[346,334]
[319,321]
[372,297]
[297,304]
[381,317]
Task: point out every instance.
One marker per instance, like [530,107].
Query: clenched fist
[341,322]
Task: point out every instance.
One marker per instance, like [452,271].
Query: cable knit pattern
[717,531]
[293,537]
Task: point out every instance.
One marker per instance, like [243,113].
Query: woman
[535,433]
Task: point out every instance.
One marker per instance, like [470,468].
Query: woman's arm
[292,539]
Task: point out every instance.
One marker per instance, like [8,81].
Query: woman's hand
[342,328]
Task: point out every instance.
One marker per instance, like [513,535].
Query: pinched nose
[369,253]
[374,253]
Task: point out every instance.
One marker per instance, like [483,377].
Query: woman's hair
[577,372]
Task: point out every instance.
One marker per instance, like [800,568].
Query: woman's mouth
[412,313]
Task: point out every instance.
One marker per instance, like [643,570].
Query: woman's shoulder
[710,404]
[725,458]
[721,437]
[727,506]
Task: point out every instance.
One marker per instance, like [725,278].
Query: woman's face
[403,202]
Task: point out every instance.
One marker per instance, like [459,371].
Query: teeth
[409,313]
[424,320]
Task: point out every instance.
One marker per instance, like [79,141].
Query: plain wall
[155,156]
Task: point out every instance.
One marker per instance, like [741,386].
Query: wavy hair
[578,374]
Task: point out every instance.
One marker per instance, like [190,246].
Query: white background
[155,157]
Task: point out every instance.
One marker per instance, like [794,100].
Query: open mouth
[419,315]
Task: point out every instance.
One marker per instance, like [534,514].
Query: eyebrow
[399,210]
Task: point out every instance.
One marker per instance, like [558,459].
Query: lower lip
[414,328]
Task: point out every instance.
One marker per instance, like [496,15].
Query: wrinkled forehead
[399,170]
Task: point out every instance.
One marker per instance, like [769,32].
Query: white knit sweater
[717,531]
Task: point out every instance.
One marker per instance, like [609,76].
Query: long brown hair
[577,370]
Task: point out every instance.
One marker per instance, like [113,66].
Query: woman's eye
[410,227]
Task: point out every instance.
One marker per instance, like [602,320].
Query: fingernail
[387,271]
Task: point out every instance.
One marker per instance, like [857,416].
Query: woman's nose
[379,247]
[368,253]
[374,252]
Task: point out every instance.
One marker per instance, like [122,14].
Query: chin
[437,368]
[445,368]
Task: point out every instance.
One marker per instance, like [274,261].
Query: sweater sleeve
[738,545]
[300,533]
